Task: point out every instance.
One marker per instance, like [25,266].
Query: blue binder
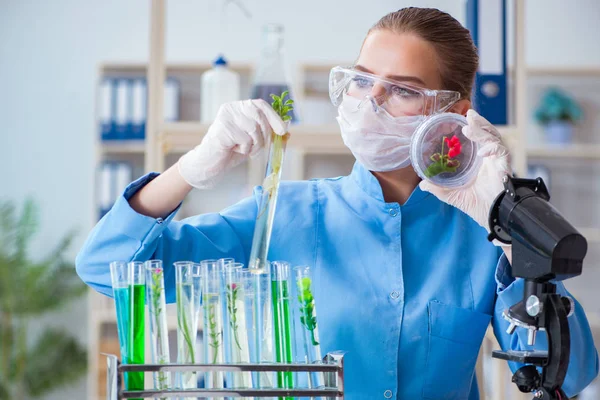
[171,100]
[113,178]
[486,19]
[107,109]
[123,109]
[138,112]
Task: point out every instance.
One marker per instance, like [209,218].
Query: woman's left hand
[476,199]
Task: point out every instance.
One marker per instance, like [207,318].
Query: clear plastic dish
[441,154]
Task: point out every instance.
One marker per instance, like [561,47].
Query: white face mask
[378,141]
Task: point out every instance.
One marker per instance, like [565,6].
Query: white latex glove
[240,130]
[476,199]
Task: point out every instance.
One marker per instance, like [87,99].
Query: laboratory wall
[49,57]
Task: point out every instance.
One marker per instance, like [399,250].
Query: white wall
[50,50]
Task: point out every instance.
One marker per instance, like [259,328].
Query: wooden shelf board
[583,151]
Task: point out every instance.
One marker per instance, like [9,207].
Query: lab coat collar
[370,185]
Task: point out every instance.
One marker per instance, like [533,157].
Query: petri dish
[441,154]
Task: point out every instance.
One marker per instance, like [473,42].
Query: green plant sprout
[157,288]
[445,162]
[271,182]
[184,327]
[232,294]
[307,308]
[212,332]
[268,201]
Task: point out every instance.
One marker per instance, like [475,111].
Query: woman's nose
[378,92]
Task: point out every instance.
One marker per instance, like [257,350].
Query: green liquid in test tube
[136,379]
[280,293]
[129,295]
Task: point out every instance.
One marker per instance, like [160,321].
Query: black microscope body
[545,248]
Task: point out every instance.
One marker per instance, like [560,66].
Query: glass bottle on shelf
[270,75]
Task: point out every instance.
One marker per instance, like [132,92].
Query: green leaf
[55,360]
[289,102]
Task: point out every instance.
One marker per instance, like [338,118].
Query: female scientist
[405,278]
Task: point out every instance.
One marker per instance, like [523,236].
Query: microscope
[545,248]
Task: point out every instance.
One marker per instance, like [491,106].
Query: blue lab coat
[408,291]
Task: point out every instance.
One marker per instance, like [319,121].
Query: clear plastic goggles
[396,98]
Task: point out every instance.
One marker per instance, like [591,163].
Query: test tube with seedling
[187,289]
[236,326]
[259,319]
[270,187]
[308,323]
[159,334]
[213,306]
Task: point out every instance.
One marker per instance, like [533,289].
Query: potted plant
[558,112]
[32,365]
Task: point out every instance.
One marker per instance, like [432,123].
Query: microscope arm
[583,366]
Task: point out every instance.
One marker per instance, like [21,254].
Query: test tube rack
[332,368]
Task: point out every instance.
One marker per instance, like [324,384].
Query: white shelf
[172,68]
[123,146]
[584,151]
[180,137]
[564,71]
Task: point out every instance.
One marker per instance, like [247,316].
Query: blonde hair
[453,44]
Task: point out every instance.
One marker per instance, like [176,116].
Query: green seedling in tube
[213,308]
[308,323]
[238,342]
[187,289]
[159,334]
[268,202]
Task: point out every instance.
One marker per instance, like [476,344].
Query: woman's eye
[361,82]
[403,92]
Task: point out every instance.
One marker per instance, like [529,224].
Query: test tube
[188,289]
[122,279]
[308,323]
[282,317]
[268,203]
[212,300]
[138,273]
[259,311]
[159,334]
[236,325]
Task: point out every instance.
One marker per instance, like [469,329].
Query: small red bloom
[233,286]
[455,146]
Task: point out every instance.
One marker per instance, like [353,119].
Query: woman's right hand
[240,130]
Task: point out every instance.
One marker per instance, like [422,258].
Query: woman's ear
[461,107]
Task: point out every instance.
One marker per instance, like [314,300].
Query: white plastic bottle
[218,85]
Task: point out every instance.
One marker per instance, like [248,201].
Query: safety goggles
[396,98]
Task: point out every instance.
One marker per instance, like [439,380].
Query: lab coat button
[387,394]
[393,212]
[394,295]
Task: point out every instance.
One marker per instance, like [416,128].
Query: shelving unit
[315,143]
